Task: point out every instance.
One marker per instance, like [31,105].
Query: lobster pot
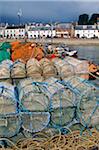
[78,85]
[62,108]
[4,71]
[88,108]
[49,131]
[16,81]
[7,62]
[6,80]
[48,68]
[9,125]
[53,85]
[34,70]
[18,69]
[24,82]
[64,68]
[76,127]
[8,101]
[35,121]
[80,66]
[33,97]
[62,102]
[16,138]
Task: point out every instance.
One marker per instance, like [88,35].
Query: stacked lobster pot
[62,106]
[81,67]
[34,105]
[34,70]
[87,101]
[48,68]
[64,69]
[18,71]
[5,71]
[10,121]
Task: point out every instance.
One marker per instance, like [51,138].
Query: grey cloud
[47,10]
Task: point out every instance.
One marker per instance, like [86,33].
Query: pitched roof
[64,25]
[40,28]
[16,27]
[86,27]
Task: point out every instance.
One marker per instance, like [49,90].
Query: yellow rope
[71,141]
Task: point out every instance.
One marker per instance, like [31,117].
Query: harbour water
[90,53]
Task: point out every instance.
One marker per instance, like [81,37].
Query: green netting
[4,55]
[4,46]
[1,44]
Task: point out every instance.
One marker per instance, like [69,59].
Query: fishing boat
[66,51]
[70,52]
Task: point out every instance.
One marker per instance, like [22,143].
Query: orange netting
[25,51]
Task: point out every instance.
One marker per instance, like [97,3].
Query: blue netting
[10,120]
[35,121]
[61,105]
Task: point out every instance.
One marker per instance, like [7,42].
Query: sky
[46,10]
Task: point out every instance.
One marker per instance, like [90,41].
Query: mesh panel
[33,96]
[35,121]
[9,125]
[88,108]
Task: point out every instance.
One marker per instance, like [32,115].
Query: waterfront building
[15,32]
[86,31]
[41,31]
[64,30]
[2,29]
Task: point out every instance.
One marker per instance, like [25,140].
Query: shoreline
[75,42]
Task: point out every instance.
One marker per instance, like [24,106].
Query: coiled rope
[71,141]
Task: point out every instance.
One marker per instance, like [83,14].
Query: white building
[2,29]
[86,31]
[64,30]
[15,32]
[40,32]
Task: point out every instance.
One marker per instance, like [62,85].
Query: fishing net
[64,68]
[5,71]
[18,69]
[5,46]
[32,96]
[78,85]
[81,67]
[34,70]
[8,101]
[9,118]
[26,51]
[34,121]
[9,125]
[48,68]
[76,126]
[88,109]
[62,107]
[4,55]
[53,85]
[87,101]
[7,62]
